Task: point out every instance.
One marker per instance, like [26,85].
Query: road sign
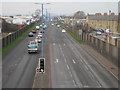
[80,32]
[41,68]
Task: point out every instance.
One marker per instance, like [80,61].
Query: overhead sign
[41,68]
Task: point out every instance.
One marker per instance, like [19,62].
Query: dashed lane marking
[73,61]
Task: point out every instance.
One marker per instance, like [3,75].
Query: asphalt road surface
[19,66]
[72,66]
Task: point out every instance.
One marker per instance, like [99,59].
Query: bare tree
[79,15]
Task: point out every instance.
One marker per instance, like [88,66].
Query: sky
[60,0]
[59,7]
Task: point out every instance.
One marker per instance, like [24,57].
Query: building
[104,21]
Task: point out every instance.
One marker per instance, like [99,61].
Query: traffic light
[42,62]
[41,68]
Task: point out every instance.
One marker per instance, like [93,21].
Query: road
[72,66]
[19,66]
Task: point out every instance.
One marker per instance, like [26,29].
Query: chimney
[105,14]
[112,14]
[98,14]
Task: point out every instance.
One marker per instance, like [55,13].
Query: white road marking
[53,43]
[34,81]
[73,61]
[74,83]
[64,44]
[68,67]
[99,84]
[86,86]
[57,60]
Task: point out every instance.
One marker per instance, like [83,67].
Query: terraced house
[104,21]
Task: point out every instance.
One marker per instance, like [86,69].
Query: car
[33,46]
[38,39]
[41,26]
[42,31]
[37,27]
[52,24]
[33,30]
[58,26]
[30,34]
[98,33]
[40,35]
[63,30]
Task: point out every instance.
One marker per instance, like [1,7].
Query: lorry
[33,47]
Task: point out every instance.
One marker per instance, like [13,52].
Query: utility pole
[42,33]
[109,21]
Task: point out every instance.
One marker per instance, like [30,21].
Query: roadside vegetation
[15,42]
[73,35]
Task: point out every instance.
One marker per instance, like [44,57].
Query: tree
[37,13]
[79,15]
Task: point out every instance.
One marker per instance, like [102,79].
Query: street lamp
[42,28]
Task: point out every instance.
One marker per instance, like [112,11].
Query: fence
[108,50]
[10,38]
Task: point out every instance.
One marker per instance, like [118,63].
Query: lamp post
[109,21]
[42,27]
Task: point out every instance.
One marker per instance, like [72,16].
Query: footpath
[107,64]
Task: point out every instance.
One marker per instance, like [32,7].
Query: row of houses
[98,20]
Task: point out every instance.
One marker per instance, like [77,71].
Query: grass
[75,37]
[6,49]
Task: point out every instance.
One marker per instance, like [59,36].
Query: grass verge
[75,37]
[6,49]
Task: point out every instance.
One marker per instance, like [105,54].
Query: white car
[52,24]
[40,35]
[63,30]
[38,39]
[98,33]
[58,26]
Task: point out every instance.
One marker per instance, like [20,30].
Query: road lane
[19,66]
[83,68]
[103,76]
[61,77]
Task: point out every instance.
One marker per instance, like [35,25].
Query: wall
[10,38]
[108,50]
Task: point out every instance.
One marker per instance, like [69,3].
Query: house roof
[101,17]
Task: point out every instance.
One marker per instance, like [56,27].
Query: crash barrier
[11,37]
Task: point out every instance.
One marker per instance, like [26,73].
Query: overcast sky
[59,7]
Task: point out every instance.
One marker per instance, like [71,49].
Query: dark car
[42,31]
